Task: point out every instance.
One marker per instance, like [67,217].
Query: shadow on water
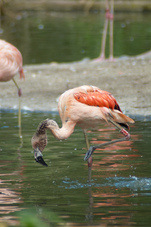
[117,195]
[44,37]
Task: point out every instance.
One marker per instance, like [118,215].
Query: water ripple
[131,182]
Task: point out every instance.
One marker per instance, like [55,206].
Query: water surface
[44,37]
[118,194]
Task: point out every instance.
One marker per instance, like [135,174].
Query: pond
[118,194]
[44,37]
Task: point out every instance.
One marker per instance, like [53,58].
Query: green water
[44,37]
[118,195]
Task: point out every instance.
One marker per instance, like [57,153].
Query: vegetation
[41,218]
[70,5]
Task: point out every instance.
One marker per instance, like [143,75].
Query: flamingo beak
[38,157]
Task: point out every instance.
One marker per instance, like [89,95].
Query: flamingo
[109,16]
[85,106]
[11,63]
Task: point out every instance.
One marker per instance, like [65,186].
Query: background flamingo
[87,107]
[11,63]
[109,16]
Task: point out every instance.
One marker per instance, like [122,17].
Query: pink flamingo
[85,106]
[11,63]
[109,16]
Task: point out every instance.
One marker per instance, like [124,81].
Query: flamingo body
[88,106]
[10,61]
[85,106]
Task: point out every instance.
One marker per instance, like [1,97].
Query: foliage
[33,218]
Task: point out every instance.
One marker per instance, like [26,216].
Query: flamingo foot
[89,153]
[111,59]
[127,136]
[99,59]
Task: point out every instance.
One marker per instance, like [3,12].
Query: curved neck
[60,133]
[39,139]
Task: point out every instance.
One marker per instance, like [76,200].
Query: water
[120,189]
[119,192]
[44,37]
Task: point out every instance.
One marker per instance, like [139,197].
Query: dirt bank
[128,79]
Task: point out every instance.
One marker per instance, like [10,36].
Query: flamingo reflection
[10,194]
[105,201]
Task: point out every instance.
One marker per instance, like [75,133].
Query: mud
[127,78]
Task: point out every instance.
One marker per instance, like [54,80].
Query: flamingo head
[39,156]
[39,141]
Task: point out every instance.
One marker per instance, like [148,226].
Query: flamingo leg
[86,139]
[111,17]
[90,160]
[108,18]
[103,44]
[93,148]
[19,110]
[1,30]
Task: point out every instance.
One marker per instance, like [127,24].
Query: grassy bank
[73,5]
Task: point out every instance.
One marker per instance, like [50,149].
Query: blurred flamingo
[109,16]
[85,106]
[11,63]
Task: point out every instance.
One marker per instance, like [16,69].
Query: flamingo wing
[98,98]
[102,98]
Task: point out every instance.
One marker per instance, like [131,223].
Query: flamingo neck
[60,133]
[39,139]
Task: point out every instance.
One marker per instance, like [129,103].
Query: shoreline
[135,117]
[81,5]
[127,78]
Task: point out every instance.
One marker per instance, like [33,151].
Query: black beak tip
[41,161]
